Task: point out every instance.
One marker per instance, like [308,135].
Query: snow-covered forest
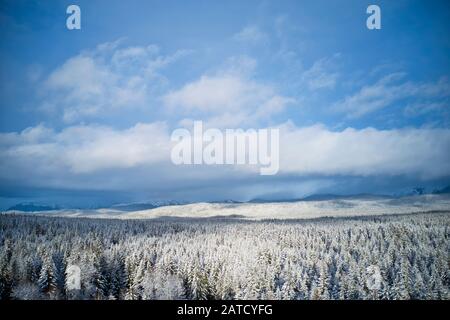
[380,257]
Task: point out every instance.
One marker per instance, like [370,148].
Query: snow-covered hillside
[276,210]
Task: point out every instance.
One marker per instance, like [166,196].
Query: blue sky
[85,114]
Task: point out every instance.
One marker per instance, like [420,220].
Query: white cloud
[389,90]
[251,34]
[418,109]
[104,80]
[320,75]
[318,150]
[242,65]
[105,148]
[215,93]
[229,97]
[85,149]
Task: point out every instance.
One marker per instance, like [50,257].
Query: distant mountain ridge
[31,207]
[136,206]
[443,190]
[146,205]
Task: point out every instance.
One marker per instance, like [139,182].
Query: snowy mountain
[445,190]
[31,207]
[304,209]
[136,206]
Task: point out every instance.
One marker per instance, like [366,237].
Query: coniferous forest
[381,257]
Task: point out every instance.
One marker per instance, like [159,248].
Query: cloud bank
[89,155]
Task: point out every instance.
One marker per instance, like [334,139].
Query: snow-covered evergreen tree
[390,257]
